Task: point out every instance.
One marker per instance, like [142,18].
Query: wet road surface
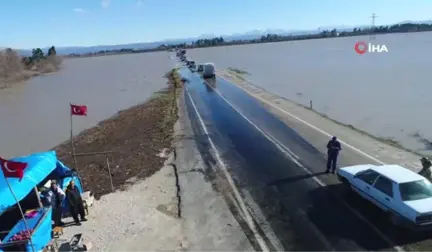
[273,169]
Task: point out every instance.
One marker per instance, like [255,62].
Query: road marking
[283,148]
[306,123]
[249,220]
[263,223]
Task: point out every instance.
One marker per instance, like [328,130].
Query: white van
[209,70]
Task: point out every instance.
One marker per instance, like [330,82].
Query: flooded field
[386,94]
[36,115]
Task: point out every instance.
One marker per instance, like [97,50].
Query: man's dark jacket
[333,147]
[74,197]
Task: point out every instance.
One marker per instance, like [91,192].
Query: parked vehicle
[181,52]
[192,65]
[200,68]
[401,193]
[209,70]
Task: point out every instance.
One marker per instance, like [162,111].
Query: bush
[10,64]
[14,68]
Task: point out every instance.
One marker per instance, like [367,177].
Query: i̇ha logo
[362,47]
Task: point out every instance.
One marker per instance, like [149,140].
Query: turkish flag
[12,169]
[80,110]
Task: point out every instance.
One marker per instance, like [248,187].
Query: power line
[373,17]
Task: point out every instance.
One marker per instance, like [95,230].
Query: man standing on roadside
[426,165]
[333,148]
[76,205]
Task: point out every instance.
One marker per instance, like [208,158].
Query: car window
[368,176]
[384,185]
[416,190]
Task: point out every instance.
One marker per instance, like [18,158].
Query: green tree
[333,33]
[37,54]
[52,51]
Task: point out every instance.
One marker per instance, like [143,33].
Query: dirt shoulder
[317,128]
[135,137]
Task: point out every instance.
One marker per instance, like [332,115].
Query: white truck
[209,70]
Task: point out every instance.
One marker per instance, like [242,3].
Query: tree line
[38,55]
[220,41]
[15,68]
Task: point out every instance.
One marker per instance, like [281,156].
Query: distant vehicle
[181,52]
[209,71]
[200,68]
[183,58]
[192,65]
[401,193]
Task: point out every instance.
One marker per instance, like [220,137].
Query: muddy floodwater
[35,116]
[386,94]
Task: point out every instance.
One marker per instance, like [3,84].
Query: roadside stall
[35,232]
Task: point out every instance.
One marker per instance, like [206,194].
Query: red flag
[80,110]
[12,169]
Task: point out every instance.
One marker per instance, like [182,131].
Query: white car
[405,195]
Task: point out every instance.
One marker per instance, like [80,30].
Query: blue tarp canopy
[40,166]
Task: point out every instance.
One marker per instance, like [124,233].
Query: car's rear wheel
[346,185]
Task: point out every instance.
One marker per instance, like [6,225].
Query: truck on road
[209,71]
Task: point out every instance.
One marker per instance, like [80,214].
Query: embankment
[143,213]
[130,142]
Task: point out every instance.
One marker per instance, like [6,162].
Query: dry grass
[13,69]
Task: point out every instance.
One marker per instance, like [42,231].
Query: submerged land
[268,38]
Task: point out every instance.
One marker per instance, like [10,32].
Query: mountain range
[253,34]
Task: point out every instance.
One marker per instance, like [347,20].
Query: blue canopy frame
[40,165]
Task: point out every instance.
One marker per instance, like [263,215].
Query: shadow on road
[334,219]
[294,179]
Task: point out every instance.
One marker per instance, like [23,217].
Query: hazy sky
[29,23]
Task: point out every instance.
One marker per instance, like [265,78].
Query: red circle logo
[360,47]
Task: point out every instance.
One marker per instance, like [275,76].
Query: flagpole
[21,211]
[71,138]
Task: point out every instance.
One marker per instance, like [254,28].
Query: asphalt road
[284,174]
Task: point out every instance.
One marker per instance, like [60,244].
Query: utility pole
[373,17]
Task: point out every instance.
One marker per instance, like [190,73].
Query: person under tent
[55,199]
